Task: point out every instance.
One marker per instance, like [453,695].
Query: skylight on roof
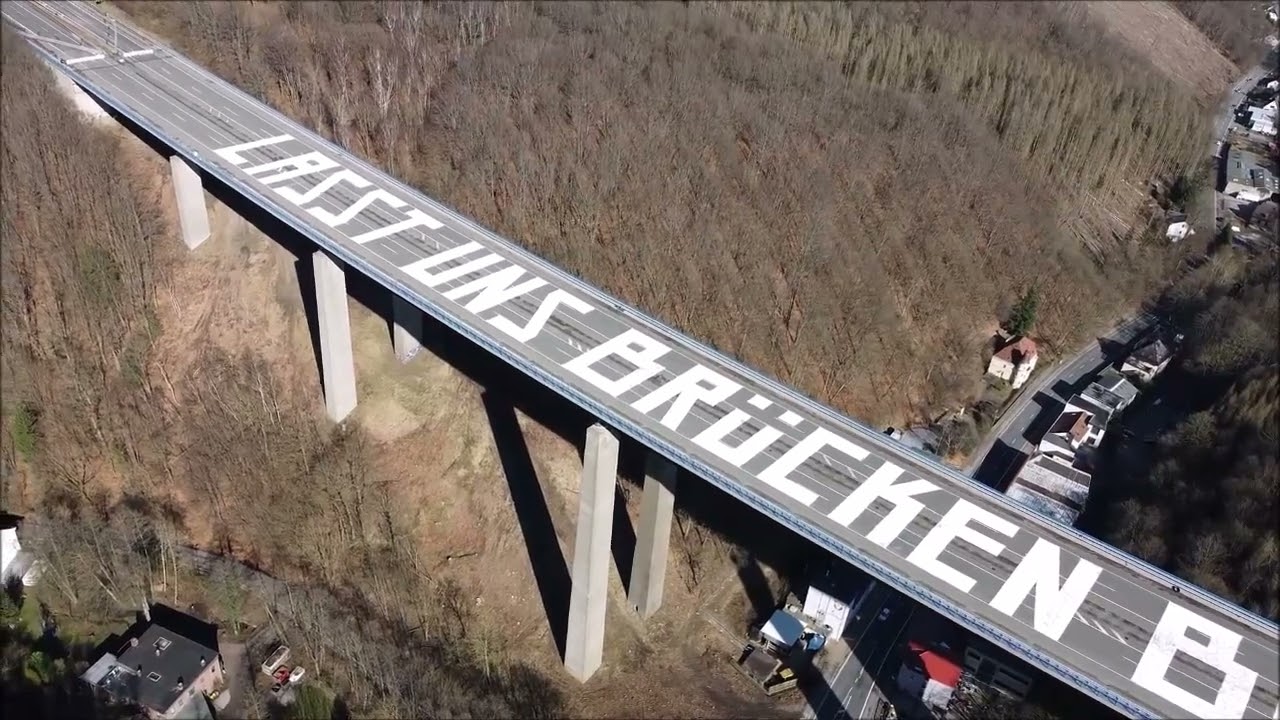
[154,677]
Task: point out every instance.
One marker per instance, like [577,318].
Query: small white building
[1178,231]
[1147,361]
[1014,362]
[14,561]
[1262,120]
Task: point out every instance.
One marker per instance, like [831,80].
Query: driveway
[239,679]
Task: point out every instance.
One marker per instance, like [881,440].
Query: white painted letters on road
[632,346]
[712,439]
[1219,652]
[301,199]
[696,383]
[495,288]
[232,153]
[548,306]
[955,525]
[881,486]
[312,162]
[779,473]
[420,270]
[356,208]
[416,218]
[1054,605]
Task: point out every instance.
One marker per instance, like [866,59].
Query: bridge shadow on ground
[1050,408]
[999,466]
[504,390]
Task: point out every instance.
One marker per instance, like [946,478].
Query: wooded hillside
[847,197]
[1237,27]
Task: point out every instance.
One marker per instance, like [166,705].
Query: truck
[779,647]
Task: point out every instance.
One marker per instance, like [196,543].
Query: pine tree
[1023,316]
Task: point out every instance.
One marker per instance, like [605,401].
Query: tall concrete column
[335,336]
[193,216]
[584,640]
[649,566]
[406,328]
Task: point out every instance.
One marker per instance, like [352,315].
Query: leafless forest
[113,450]
[844,196]
[1235,26]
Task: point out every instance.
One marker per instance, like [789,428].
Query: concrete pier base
[193,216]
[337,362]
[584,639]
[406,328]
[653,536]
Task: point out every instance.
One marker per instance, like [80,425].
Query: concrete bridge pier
[406,328]
[193,215]
[584,638]
[649,566]
[336,360]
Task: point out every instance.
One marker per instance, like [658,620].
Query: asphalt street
[867,675]
[766,445]
[1014,435]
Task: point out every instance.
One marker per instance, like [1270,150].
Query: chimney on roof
[157,651]
[133,642]
[180,686]
[201,661]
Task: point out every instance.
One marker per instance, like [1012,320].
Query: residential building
[990,666]
[1249,176]
[1263,119]
[1111,390]
[1147,361]
[1052,487]
[931,666]
[166,666]
[14,561]
[930,674]
[1178,231]
[1014,362]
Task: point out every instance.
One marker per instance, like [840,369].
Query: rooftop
[151,660]
[1153,353]
[1099,415]
[1041,504]
[1015,350]
[1246,168]
[1071,423]
[938,665]
[1054,480]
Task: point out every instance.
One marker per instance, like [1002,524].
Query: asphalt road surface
[1012,438]
[1133,640]
[868,675]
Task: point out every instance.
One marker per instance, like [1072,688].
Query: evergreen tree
[1023,316]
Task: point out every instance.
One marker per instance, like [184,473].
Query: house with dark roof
[1147,361]
[1111,390]
[168,666]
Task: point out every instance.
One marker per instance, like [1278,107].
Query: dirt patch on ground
[1174,46]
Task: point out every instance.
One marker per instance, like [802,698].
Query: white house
[1263,119]
[1014,362]
[14,561]
[1147,361]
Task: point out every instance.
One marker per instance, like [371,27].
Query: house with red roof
[1014,361]
[930,673]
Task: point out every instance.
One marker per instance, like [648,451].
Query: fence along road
[1086,613]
